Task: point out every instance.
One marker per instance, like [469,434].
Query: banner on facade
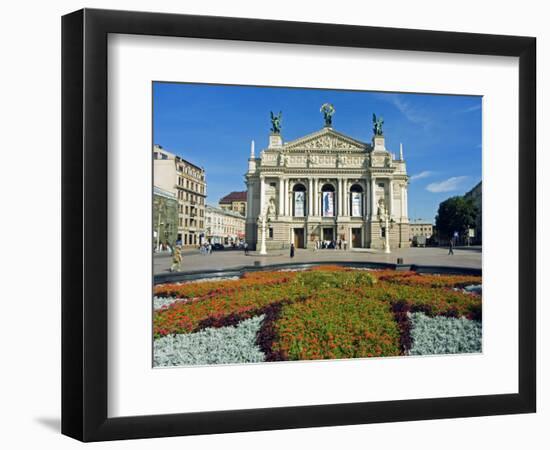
[356,204]
[328,204]
[299,203]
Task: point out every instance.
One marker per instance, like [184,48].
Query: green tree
[455,214]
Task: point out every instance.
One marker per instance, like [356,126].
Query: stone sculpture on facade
[271,207]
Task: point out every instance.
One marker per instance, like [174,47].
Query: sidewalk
[227,259]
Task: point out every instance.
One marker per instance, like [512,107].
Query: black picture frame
[84,224]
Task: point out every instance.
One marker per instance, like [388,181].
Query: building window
[356,201]
[270,233]
[327,205]
[299,193]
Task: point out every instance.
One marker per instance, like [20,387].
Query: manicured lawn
[323,313]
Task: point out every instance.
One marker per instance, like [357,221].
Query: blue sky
[212,126]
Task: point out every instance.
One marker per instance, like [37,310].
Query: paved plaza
[193,260]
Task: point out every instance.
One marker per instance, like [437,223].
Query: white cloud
[448,185]
[419,176]
[471,109]
[413,114]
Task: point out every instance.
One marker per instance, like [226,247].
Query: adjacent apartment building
[224,226]
[187,182]
[235,201]
[420,229]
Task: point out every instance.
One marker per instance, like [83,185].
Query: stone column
[262,194]
[347,198]
[339,211]
[318,202]
[390,201]
[406,202]
[366,201]
[287,200]
[315,187]
[373,198]
[310,197]
[402,196]
[281,197]
[249,200]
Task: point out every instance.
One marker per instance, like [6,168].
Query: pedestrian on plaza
[245,246]
[292,250]
[209,248]
[345,244]
[451,245]
[339,244]
[176,259]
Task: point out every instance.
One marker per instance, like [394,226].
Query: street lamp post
[387,236]
[262,224]
[384,218]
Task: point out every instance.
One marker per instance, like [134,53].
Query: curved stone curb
[241,270]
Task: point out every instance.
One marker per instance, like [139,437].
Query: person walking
[176,259]
[209,248]
[451,245]
[245,246]
[292,250]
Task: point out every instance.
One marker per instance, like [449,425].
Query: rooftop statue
[377,125]
[328,111]
[276,122]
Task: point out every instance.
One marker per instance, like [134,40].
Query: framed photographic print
[274,225]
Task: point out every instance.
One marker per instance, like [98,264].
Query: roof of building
[163,193]
[160,148]
[225,212]
[234,197]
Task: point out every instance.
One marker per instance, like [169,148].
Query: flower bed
[202,288]
[211,346]
[336,324]
[428,280]
[320,313]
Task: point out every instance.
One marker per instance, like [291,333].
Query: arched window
[356,200]
[299,200]
[327,200]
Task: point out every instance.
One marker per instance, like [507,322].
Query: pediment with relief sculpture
[326,139]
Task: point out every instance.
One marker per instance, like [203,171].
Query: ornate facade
[326,186]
